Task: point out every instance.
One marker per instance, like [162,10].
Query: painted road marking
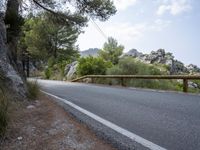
[134,137]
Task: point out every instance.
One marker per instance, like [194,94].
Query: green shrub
[33,90]
[130,66]
[92,66]
[3,113]
[48,73]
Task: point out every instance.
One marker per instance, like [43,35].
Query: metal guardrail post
[92,80]
[122,82]
[185,85]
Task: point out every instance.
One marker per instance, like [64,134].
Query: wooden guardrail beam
[185,78]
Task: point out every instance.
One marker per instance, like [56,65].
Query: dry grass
[47,126]
[33,90]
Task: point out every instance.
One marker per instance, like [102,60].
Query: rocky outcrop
[161,57]
[8,74]
[158,56]
[178,67]
[70,70]
[193,69]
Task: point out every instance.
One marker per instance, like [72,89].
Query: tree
[44,39]
[99,9]
[83,9]
[111,51]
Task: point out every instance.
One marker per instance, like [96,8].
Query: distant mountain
[90,52]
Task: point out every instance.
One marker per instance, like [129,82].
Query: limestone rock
[70,70]
[193,68]
[8,74]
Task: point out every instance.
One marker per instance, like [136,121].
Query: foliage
[33,90]
[111,51]
[92,66]
[48,73]
[45,39]
[55,69]
[129,66]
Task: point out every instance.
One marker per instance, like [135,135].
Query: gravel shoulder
[43,125]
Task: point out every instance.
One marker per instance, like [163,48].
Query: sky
[147,25]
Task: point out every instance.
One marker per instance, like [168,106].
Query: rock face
[70,70]
[8,75]
[161,57]
[158,56]
[193,68]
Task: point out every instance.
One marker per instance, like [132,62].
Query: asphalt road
[168,119]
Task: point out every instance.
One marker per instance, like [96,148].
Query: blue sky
[149,25]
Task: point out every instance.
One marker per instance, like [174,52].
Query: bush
[92,66]
[48,73]
[33,90]
[130,66]
[3,113]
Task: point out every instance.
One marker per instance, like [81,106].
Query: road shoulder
[42,124]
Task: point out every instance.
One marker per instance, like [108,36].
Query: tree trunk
[10,71]
[27,67]
[12,21]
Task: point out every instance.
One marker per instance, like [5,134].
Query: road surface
[168,119]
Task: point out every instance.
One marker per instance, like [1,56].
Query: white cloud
[174,7]
[159,25]
[123,4]
[128,32]
[125,33]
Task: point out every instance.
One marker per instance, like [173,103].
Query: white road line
[134,137]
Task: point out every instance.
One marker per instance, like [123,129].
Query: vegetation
[111,51]
[54,29]
[33,90]
[44,39]
[130,66]
[92,66]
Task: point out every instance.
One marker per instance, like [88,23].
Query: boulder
[193,68]
[178,67]
[70,70]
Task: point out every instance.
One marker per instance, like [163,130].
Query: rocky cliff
[162,57]
[8,75]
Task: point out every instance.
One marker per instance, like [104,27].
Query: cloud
[159,25]
[174,7]
[124,4]
[128,33]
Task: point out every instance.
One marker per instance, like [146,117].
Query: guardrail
[185,78]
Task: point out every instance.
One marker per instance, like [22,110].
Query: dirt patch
[43,125]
